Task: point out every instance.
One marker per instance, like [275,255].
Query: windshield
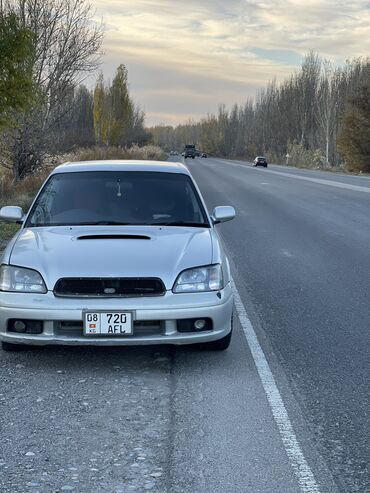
[109,197]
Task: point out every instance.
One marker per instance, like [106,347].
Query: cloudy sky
[184,57]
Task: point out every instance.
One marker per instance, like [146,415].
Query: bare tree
[67,49]
[326,107]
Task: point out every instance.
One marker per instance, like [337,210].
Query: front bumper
[155,318]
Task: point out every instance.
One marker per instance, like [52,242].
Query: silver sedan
[116,253]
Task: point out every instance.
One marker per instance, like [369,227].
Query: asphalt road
[183,420]
[300,251]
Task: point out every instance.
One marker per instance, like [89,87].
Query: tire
[265,165]
[8,346]
[219,345]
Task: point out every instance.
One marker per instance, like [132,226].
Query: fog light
[25,326]
[19,326]
[194,324]
[199,324]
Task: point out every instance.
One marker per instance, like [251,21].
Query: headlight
[21,280]
[199,279]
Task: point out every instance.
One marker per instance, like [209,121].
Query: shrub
[135,152]
[20,193]
[301,157]
[354,138]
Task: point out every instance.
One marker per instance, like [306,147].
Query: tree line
[47,49]
[319,116]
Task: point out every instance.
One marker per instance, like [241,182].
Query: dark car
[260,161]
[204,154]
[189,151]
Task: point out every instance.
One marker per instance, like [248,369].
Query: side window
[41,213]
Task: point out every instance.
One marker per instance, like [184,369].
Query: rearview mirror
[222,214]
[11,213]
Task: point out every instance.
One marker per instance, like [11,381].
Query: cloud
[206,52]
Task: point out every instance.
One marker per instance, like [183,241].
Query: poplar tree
[122,110]
[99,97]
[116,120]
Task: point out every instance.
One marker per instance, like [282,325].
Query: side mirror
[12,214]
[222,214]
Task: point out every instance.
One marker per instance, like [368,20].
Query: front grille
[109,287]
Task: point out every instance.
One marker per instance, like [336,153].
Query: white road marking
[302,470]
[320,181]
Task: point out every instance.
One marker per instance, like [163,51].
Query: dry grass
[21,193]
[98,153]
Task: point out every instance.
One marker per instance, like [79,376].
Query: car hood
[143,251]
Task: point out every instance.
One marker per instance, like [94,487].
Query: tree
[354,138]
[117,121]
[16,84]
[77,128]
[99,114]
[83,123]
[66,46]
[121,107]
[300,116]
[326,108]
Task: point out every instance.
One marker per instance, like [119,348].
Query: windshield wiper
[86,223]
[181,223]
[118,223]
[103,223]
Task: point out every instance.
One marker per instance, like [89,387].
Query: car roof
[121,165]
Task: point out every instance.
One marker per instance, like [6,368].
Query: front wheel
[8,346]
[219,345]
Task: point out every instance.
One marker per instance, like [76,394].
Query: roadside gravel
[84,420]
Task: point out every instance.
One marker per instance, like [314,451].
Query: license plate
[107,323]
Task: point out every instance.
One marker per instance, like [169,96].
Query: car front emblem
[109,290]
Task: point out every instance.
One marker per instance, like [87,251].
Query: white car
[116,253]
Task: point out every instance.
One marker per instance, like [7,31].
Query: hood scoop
[113,237]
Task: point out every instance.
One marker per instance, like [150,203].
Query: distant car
[189,151]
[183,154]
[174,153]
[260,161]
[204,154]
